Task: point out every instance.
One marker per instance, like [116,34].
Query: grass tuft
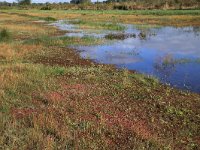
[50,19]
[5,35]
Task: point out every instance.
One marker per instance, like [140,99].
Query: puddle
[74,31]
[168,53]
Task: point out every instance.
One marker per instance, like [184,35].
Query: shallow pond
[168,53]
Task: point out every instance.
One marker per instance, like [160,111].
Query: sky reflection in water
[171,54]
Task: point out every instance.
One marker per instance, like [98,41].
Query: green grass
[146,26]
[100,25]
[48,19]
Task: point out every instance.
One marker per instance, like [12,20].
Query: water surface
[168,53]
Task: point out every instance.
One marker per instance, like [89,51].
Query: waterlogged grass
[147,26]
[98,25]
[168,60]
[64,41]
[52,99]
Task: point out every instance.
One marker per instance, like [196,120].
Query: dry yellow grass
[14,51]
[7,17]
[6,51]
[24,27]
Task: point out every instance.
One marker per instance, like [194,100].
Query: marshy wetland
[97,79]
[171,54]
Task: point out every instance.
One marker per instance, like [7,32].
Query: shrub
[46,8]
[119,36]
[5,35]
[50,19]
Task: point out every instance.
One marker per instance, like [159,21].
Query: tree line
[108,4]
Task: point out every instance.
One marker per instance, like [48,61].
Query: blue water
[168,53]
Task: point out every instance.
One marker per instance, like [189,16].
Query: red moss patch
[112,116]
[54,96]
[101,104]
[139,127]
[77,89]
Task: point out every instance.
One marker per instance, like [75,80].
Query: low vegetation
[5,35]
[119,36]
[50,98]
[150,17]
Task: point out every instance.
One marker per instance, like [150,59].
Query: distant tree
[80,1]
[24,2]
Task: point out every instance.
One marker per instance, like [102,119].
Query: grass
[146,26]
[50,98]
[98,25]
[169,61]
[48,19]
[151,17]
[118,12]
[63,41]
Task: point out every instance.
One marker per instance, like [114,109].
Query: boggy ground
[50,98]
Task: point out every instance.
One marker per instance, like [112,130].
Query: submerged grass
[52,99]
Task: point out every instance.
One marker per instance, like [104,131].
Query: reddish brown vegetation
[20,113]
